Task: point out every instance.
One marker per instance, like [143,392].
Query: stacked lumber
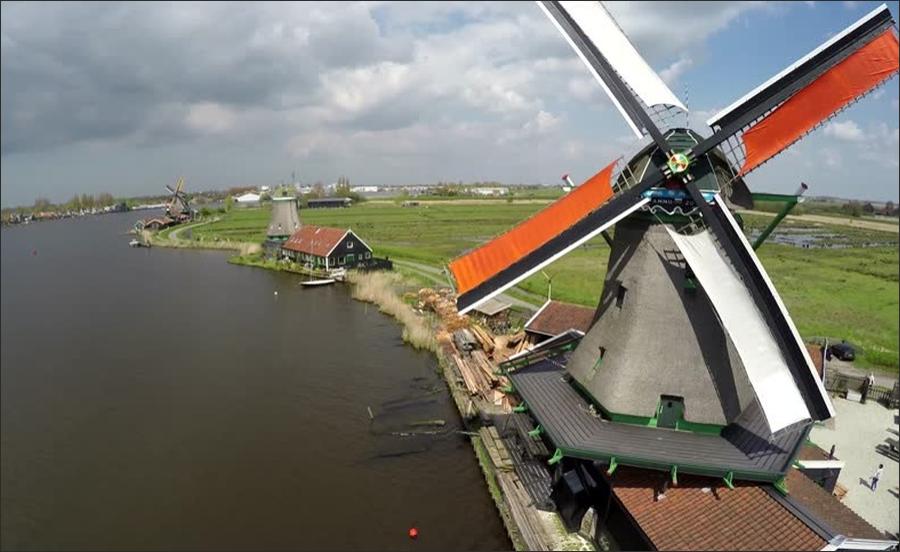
[443,303]
[496,448]
[475,380]
[485,339]
[526,518]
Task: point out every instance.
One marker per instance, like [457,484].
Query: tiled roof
[556,317]
[315,240]
[828,509]
[700,513]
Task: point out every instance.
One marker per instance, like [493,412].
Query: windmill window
[620,295]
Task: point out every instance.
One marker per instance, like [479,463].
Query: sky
[127,97]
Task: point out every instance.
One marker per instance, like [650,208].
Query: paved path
[856,431]
[839,221]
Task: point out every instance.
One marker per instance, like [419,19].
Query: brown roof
[556,317]
[815,353]
[700,513]
[315,240]
[828,509]
[811,451]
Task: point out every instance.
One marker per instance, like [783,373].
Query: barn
[326,248]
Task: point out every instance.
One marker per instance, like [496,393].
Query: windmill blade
[610,57]
[554,231]
[758,286]
[808,93]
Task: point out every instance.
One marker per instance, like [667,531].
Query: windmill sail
[810,91]
[598,29]
[540,240]
[766,367]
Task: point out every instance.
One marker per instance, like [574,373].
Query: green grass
[849,293]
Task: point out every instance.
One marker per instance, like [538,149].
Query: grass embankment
[849,293]
[174,237]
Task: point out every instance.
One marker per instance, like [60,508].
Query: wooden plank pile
[443,303]
[496,448]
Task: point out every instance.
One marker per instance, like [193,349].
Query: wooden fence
[837,382]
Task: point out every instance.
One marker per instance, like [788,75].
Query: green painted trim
[613,464]
[633,419]
[521,408]
[557,456]
[696,427]
[693,469]
[762,196]
[781,486]
[789,203]
[536,432]
[508,388]
[674,473]
[729,480]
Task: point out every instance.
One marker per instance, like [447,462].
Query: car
[842,351]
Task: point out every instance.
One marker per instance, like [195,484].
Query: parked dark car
[842,351]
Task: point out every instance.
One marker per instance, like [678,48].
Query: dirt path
[838,221]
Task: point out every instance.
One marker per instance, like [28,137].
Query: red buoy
[413,532]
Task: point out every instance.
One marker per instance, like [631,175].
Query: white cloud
[210,117]
[673,72]
[844,130]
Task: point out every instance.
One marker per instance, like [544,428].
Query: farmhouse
[326,248]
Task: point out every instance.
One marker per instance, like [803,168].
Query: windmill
[690,334]
[178,208]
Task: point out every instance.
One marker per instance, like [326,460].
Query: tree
[42,204]
[868,208]
[889,208]
[343,187]
[853,208]
[229,203]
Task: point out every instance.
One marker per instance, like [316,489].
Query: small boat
[137,243]
[313,283]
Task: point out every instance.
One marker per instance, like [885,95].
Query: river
[164,399]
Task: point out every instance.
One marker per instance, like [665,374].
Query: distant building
[329,202]
[247,199]
[326,248]
[364,189]
[501,191]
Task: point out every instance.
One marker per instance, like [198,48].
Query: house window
[349,244]
[368,255]
[340,261]
[620,295]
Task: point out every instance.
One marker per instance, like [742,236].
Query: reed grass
[382,289]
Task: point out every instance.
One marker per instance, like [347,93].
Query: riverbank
[429,324]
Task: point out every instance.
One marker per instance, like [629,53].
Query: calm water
[161,399]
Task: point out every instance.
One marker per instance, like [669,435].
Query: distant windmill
[178,207]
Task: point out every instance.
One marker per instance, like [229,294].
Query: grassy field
[847,293]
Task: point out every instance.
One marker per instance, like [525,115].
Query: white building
[490,191]
[248,198]
[365,189]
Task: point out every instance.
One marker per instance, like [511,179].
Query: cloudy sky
[127,97]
